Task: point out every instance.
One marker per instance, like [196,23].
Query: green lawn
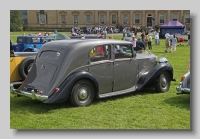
[143,109]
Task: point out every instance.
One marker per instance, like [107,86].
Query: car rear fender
[150,75]
[67,85]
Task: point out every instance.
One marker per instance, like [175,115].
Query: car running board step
[118,92]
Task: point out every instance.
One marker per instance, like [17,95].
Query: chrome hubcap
[163,82]
[83,94]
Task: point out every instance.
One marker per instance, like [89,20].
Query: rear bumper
[31,94]
[182,90]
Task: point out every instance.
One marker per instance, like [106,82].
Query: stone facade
[66,19]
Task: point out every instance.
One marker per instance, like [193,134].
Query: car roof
[30,36]
[80,43]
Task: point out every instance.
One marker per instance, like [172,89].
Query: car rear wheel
[82,93]
[25,67]
[163,83]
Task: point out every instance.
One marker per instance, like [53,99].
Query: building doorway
[149,20]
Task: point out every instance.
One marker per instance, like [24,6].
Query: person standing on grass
[142,36]
[146,39]
[124,32]
[133,41]
[150,42]
[157,39]
[154,34]
[167,43]
[140,47]
[174,43]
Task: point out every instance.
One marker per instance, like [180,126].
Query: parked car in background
[127,38]
[26,43]
[54,37]
[184,85]
[183,35]
[115,30]
[80,71]
[86,37]
[20,64]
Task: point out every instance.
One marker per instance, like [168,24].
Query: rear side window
[100,53]
[51,55]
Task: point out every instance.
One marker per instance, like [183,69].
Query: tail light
[22,82]
[182,78]
[40,92]
[56,90]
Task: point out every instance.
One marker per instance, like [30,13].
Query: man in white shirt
[133,41]
[167,35]
[157,39]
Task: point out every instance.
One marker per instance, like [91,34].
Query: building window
[114,19]
[101,19]
[174,17]
[187,18]
[137,18]
[75,19]
[162,17]
[125,19]
[63,19]
[88,19]
[42,17]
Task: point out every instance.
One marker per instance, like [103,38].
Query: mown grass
[143,109]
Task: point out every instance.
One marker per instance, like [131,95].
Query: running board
[117,92]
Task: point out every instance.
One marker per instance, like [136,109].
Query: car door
[101,66]
[125,68]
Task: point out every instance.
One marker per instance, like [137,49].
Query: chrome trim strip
[118,92]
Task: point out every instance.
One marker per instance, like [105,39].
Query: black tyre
[82,93]
[163,83]
[25,67]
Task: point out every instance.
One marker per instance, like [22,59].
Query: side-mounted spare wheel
[82,93]
[163,82]
[25,67]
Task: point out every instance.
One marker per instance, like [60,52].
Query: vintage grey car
[80,71]
[184,84]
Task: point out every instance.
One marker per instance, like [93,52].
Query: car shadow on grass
[145,91]
[180,101]
[34,106]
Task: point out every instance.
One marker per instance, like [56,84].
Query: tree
[16,21]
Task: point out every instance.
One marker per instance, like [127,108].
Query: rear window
[50,55]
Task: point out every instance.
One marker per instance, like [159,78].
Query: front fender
[67,85]
[152,74]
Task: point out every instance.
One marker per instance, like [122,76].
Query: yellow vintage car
[20,64]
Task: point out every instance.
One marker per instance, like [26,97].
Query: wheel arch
[67,86]
[153,74]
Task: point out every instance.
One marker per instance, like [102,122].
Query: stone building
[66,19]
